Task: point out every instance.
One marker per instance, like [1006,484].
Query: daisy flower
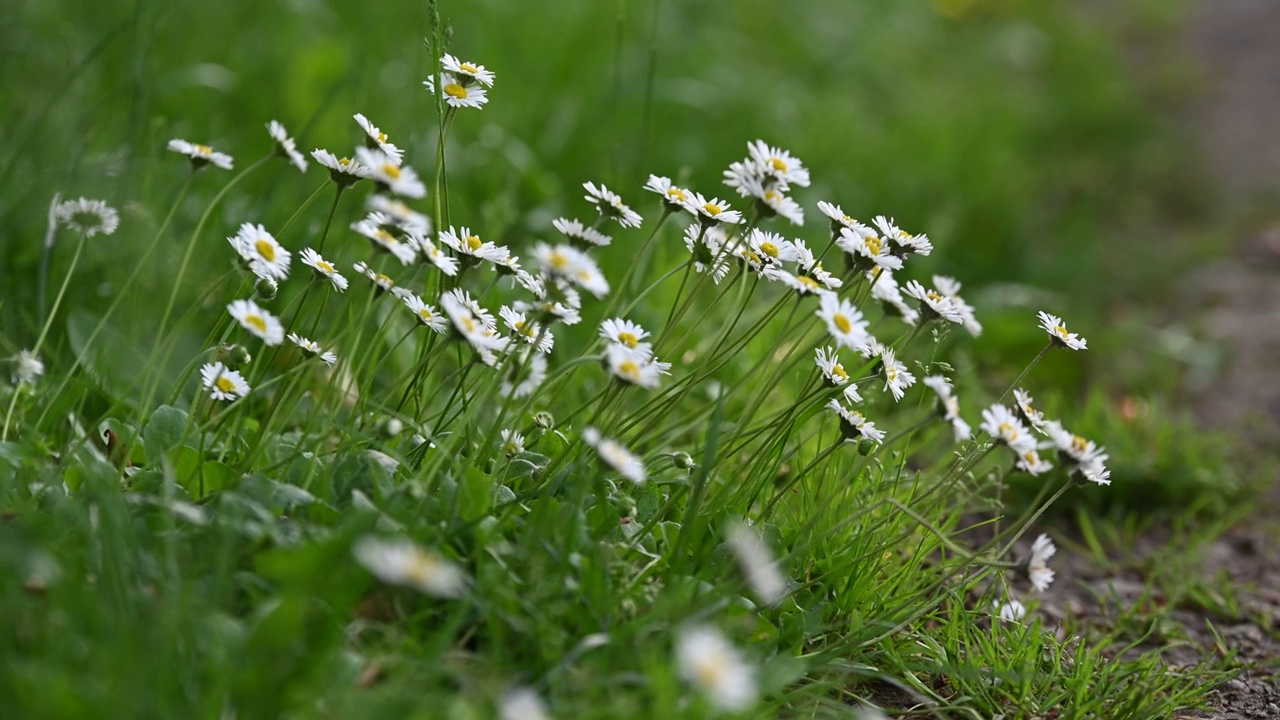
[1010,611]
[323,268]
[803,284]
[530,332]
[950,288]
[610,205]
[771,247]
[285,146]
[1077,453]
[854,425]
[87,217]
[424,313]
[811,267]
[773,203]
[709,663]
[401,249]
[474,325]
[388,173]
[1003,426]
[633,367]
[778,163]
[400,562]
[932,303]
[522,704]
[1028,414]
[523,377]
[864,247]
[434,255]
[673,198]
[512,442]
[409,220]
[904,243]
[711,212]
[758,564]
[312,348]
[257,247]
[457,93]
[828,361]
[222,382]
[707,245]
[343,171]
[376,139]
[948,405]
[884,289]
[844,322]
[200,155]
[1030,462]
[1057,330]
[380,281]
[616,456]
[625,332]
[257,321]
[839,221]
[467,70]
[1036,567]
[579,234]
[572,264]
[896,377]
[463,242]
[27,367]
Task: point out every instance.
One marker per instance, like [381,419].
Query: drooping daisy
[854,425]
[387,173]
[625,332]
[1028,413]
[771,247]
[896,377]
[709,663]
[458,94]
[616,456]
[950,287]
[376,139]
[839,221]
[524,375]
[865,248]
[470,246]
[568,262]
[778,163]
[828,361]
[380,281]
[758,564]
[673,198]
[1036,567]
[1004,427]
[526,330]
[948,405]
[1057,330]
[201,155]
[408,219]
[343,171]
[522,703]
[632,366]
[1030,462]
[27,367]
[773,203]
[323,268]
[401,562]
[610,205]
[402,249]
[579,234]
[286,147]
[845,323]
[424,313]
[713,211]
[512,442]
[222,382]
[1079,455]
[932,303]
[257,321]
[87,217]
[707,246]
[466,69]
[904,243]
[312,348]
[259,249]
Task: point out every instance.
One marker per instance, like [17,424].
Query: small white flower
[572,264]
[88,217]
[1003,426]
[837,217]
[323,268]
[312,348]
[673,198]
[933,303]
[400,562]
[201,155]
[616,456]
[712,211]
[475,325]
[424,313]
[222,382]
[433,254]
[896,377]
[1036,565]
[885,290]
[257,247]
[402,249]
[845,323]
[634,367]
[771,247]
[458,94]
[408,219]
[950,287]
[527,331]
[27,367]
[257,321]
[803,284]
[477,72]
[378,139]
[1081,455]
[583,234]
[1030,462]
[778,163]
[713,666]
[1026,411]
[387,172]
[1057,330]
[865,247]
[707,246]
[343,171]
[512,442]
[522,704]
[774,203]
[525,375]
[610,205]
[382,282]
[464,242]
[758,564]
[1010,611]
[828,361]
[948,406]
[904,242]
[854,424]
[809,266]
[625,332]
[286,146]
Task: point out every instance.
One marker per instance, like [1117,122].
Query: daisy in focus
[343,171]
[854,425]
[610,205]
[313,349]
[616,456]
[673,198]
[201,155]
[466,70]
[896,376]
[222,382]
[400,562]
[579,234]
[844,322]
[458,93]
[1058,334]
[625,332]
[828,361]
[375,139]
[258,248]
[382,282]
[527,331]
[512,442]
[87,217]
[634,367]
[712,211]
[1023,405]
[716,669]
[390,174]
[286,147]
[257,321]
[323,268]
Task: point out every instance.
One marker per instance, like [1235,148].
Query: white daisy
[896,377]
[864,247]
[673,198]
[343,171]
[384,170]
[839,220]
[1030,462]
[466,69]
[828,361]
[771,247]
[408,219]
[285,145]
[709,663]
[222,382]
[884,289]
[1028,413]
[845,323]
[201,155]
[529,332]
[712,211]
[469,245]
[424,313]
[323,268]
[433,254]
[27,367]
[950,287]
[377,139]
[778,163]
[1079,454]
[1010,611]
[633,367]
[610,205]
[572,264]
[904,243]
[87,217]
[802,284]
[512,442]
[625,332]
[523,377]
[259,249]
[458,94]
[1036,567]
[1003,426]
[257,321]
[380,281]
[809,266]
[312,348]
[474,325]
[402,249]
[522,704]
[774,202]
[581,234]
[948,405]
[758,564]
[1057,330]
[616,456]
[706,244]
[400,562]
[854,425]
[933,304]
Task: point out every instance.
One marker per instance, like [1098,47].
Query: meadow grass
[206,519]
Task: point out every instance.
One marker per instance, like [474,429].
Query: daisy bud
[235,356]
[544,420]
[866,446]
[265,289]
[683,460]
[391,427]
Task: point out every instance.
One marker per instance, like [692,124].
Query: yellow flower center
[384,280]
[873,244]
[891,373]
[677,193]
[1079,443]
[257,322]
[426,315]
[1007,431]
[769,249]
[391,171]
[386,237]
[808,282]
[455,90]
[266,249]
[420,567]
[848,219]
[324,267]
[628,339]
[1062,332]
[752,257]
[838,371]
[468,67]
[629,369]
[1031,458]
[933,296]
[382,137]
[559,261]
[344,161]
[584,276]
[510,449]
[468,324]
[772,196]
[225,384]
[204,150]
[474,242]
[842,323]
[711,673]
[777,164]
[712,209]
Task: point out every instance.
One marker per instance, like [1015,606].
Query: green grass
[199,564]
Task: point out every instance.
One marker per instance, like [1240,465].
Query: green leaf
[163,431]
